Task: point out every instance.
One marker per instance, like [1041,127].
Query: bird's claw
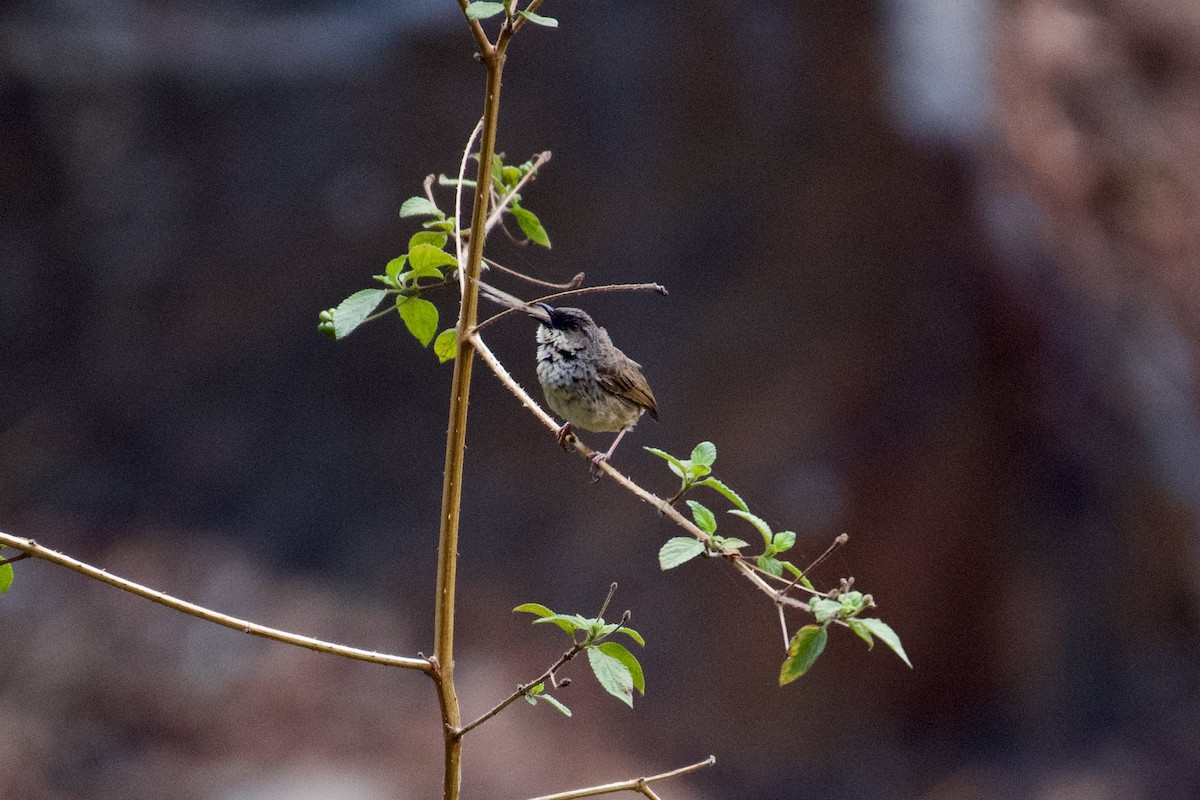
[565,435]
[597,459]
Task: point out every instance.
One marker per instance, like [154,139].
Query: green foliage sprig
[616,668]
[841,606]
[427,266]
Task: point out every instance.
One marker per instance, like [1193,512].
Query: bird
[586,379]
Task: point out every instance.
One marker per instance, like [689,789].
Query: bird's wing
[628,382]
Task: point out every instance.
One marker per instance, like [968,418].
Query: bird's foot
[566,435]
[597,459]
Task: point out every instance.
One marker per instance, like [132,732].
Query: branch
[502,203]
[633,785]
[35,550]
[520,21]
[485,46]
[521,690]
[608,287]
[458,245]
[661,505]
[574,283]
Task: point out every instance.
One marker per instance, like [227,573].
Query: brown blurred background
[934,282]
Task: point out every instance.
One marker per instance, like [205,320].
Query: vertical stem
[456,433]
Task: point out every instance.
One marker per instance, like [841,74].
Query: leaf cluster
[426,265]
[615,667]
[697,472]
[842,606]
[484,9]
[809,641]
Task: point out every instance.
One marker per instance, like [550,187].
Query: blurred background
[934,283]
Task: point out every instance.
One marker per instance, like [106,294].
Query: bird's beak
[542,312]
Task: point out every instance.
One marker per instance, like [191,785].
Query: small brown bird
[587,380]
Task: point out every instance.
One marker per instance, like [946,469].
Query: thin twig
[458,245]
[521,690]
[840,540]
[15,559]
[608,287]
[481,39]
[501,204]
[520,21]
[574,283]
[35,550]
[612,589]
[747,570]
[631,785]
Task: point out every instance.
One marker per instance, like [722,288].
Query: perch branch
[658,503]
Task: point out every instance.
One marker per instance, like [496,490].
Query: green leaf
[602,630]
[853,603]
[420,317]
[510,175]
[556,703]
[433,238]
[567,622]
[863,632]
[531,226]
[679,550]
[351,312]
[622,654]
[705,519]
[420,207]
[757,522]
[613,675]
[730,494]
[771,565]
[533,608]
[446,225]
[538,19]
[482,10]
[803,650]
[676,465]
[6,577]
[824,609]
[445,346]
[394,268]
[730,541]
[697,470]
[799,575]
[783,541]
[632,634]
[426,260]
[886,635]
[704,453]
